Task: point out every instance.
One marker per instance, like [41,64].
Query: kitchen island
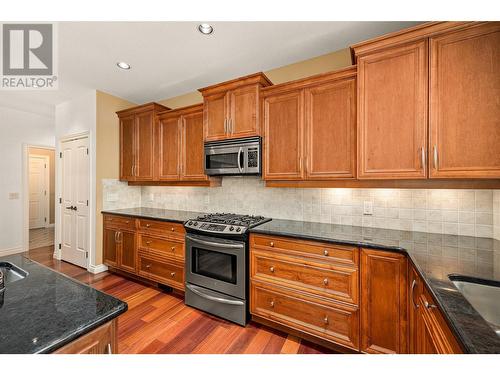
[44,311]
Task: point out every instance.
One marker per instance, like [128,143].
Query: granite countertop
[435,256]
[47,309]
[155,214]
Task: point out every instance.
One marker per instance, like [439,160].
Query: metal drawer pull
[148,242]
[126,222]
[148,265]
[429,305]
[412,293]
[172,229]
[172,248]
[325,252]
[148,225]
[272,303]
[271,269]
[326,319]
[325,281]
[271,244]
[435,157]
[172,274]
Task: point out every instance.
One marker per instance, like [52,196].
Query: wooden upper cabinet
[137,142]
[464,103]
[384,322]
[392,112]
[169,146]
[331,130]
[127,147]
[309,128]
[283,135]
[193,167]
[231,109]
[180,145]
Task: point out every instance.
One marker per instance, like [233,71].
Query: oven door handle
[198,292]
[217,244]
[240,166]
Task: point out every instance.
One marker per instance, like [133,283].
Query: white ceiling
[173,58]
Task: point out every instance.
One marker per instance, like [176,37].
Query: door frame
[90,218]
[25,191]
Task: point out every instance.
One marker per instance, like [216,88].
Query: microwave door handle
[240,164]
[198,292]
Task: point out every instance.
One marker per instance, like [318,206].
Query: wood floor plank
[160,322]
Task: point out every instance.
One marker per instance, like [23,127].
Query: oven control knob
[238,229]
[195,223]
[231,228]
[190,223]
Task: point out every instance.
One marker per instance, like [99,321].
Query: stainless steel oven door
[217,264]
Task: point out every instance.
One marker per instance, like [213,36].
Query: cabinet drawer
[160,270]
[334,322]
[337,253]
[164,228]
[121,222]
[326,279]
[167,247]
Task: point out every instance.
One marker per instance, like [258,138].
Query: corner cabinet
[137,142]
[464,103]
[231,109]
[179,145]
[309,128]
[384,320]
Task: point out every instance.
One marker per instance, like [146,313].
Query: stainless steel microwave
[233,157]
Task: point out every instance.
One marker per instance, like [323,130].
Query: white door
[75,202]
[38,191]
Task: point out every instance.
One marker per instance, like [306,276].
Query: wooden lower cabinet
[384,302]
[429,332]
[102,340]
[151,249]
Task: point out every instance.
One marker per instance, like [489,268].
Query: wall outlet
[368,208]
[13,195]
[112,197]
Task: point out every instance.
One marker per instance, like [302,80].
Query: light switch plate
[368,208]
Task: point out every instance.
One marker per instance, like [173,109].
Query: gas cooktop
[225,223]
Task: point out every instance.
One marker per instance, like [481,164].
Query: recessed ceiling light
[123,65]
[205,28]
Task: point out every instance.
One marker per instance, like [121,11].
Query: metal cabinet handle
[325,252]
[271,303]
[172,229]
[172,274]
[429,305]
[435,157]
[148,265]
[108,349]
[172,248]
[231,125]
[325,281]
[422,151]
[148,242]
[148,225]
[412,293]
[271,269]
[225,126]
[116,236]
[271,244]
[326,319]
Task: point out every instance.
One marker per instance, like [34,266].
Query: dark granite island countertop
[155,214]
[436,256]
[47,310]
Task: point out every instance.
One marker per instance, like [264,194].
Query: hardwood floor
[159,322]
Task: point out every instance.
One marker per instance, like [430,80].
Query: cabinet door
[383,302]
[127,250]
[110,241]
[244,104]
[144,151]
[331,130]
[392,113]
[169,149]
[464,103]
[283,136]
[215,115]
[127,148]
[192,147]
[102,340]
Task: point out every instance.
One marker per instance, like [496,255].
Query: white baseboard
[12,250]
[97,269]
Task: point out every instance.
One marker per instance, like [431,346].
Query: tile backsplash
[463,212]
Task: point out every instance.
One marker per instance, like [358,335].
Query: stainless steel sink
[11,273]
[483,295]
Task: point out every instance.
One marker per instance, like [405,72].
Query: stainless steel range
[217,264]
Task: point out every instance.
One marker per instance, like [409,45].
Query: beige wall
[52,181]
[302,69]
[107,152]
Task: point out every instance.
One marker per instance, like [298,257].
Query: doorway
[75,179]
[41,196]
